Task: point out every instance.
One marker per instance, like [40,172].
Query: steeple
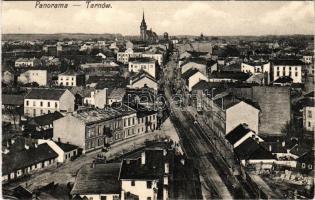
[143,24]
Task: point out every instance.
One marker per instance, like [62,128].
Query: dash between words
[89,4]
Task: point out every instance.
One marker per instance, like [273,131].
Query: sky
[177,18]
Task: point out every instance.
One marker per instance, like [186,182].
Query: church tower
[143,29]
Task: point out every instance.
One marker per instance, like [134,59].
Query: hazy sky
[210,18]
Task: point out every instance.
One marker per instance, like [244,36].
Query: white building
[27,62]
[41,101]
[290,68]
[71,78]
[143,80]
[255,67]
[309,117]
[145,64]
[30,76]
[124,56]
[192,77]
[97,98]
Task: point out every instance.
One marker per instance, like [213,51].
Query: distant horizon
[215,18]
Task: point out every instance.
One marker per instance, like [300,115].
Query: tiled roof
[12,99]
[25,158]
[142,75]
[45,93]
[46,119]
[287,62]
[237,133]
[186,75]
[152,169]
[100,179]
[66,147]
[250,149]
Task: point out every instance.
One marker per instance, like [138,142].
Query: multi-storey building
[290,68]
[71,78]
[309,115]
[37,76]
[124,56]
[146,64]
[90,129]
[27,62]
[41,101]
[224,112]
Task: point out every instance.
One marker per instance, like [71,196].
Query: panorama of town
[156,116]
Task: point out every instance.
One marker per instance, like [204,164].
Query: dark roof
[287,62]
[310,94]
[142,60]
[250,149]
[12,99]
[25,158]
[43,134]
[308,157]
[100,179]
[46,119]
[186,75]
[141,75]
[152,169]
[197,53]
[66,147]
[241,76]
[284,79]
[45,93]
[235,67]
[71,72]
[198,60]
[237,133]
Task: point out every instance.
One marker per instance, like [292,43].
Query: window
[41,111]
[149,184]
[149,198]
[296,73]
[41,104]
[56,105]
[34,103]
[133,183]
[67,83]
[27,102]
[310,166]
[303,165]
[48,104]
[309,124]
[133,121]
[103,197]
[278,73]
[309,114]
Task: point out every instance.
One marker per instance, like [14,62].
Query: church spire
[143,24]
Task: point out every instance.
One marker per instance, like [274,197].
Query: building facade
[42,101]
[37,76]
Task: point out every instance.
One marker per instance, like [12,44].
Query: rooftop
[250,149]
[45,93]
[288,62]
[25,158]
[96,115]
[237,133]
[46,119]
[142,60]
[186,75]
[100,179]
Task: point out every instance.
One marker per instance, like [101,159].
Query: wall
[101,98]
[242,113]
[143,81]
[202,68]
[38,76]
[98,196]
[40,110]
[67,102]
[69,129]
[284,71]
[309,118]
[196,78]
[140,189]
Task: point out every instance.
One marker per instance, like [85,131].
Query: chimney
[165,180]
[182,161]
[164,152]
[166,168]
[59,139]
[6,151]
[143,158]
[283,143]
